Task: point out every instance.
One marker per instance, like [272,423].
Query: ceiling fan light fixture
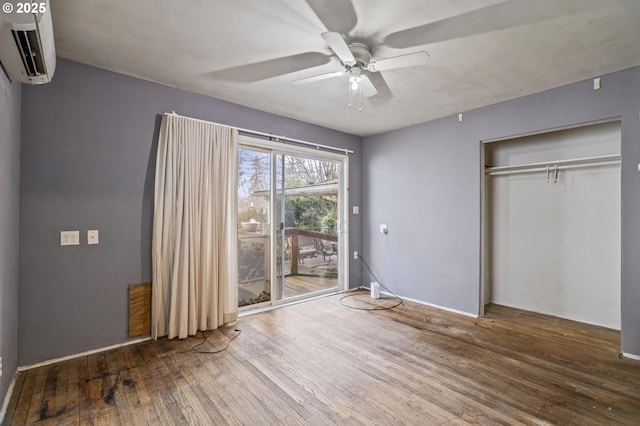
[355,88]
[354,82]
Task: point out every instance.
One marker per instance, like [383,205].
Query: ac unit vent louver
[29,48]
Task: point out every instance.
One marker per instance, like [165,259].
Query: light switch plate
[93,236]
[69,238]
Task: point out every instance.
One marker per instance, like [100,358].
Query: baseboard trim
[431,305]
[444,308]
[7,397]
[631,356]
[552,314]
[89,352]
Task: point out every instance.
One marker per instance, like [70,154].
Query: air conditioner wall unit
[27,49]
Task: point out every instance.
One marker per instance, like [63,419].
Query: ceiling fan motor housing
[362,54]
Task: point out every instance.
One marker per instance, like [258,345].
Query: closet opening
[551,224]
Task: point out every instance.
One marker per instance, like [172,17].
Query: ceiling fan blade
[319,77]
[270,68]
[496,17]
[409,60]
[384,92]
[339,46]
[368,89]
[336,15]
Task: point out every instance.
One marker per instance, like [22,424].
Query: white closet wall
[554,247]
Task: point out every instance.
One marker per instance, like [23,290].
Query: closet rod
[544,169]
[269,135]
[584,162]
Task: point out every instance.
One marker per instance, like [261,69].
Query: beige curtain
[194,245]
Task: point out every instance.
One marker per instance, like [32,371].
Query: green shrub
[250,261]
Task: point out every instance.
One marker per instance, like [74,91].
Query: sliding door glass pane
[308,194]
[254,199]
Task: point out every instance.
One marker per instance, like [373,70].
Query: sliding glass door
[290,217]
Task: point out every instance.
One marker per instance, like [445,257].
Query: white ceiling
[250,51]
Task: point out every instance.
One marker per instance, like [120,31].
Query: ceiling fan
[355,59]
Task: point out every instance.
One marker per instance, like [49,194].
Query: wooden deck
[314,274]
[297,285]
[320,363]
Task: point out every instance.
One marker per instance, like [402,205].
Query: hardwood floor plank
[57,407]
[71,409]
[165,404]
[146,407]
[191,407]
[204,388]
[35,402]
[84,392]
[237,397]
[116,395]
[17,413]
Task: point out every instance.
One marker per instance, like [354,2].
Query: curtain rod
[272,137]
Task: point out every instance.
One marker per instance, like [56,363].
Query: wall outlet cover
[93,236]
[69,238]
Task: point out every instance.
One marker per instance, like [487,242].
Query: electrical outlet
[69,238]
[92,236]
[355,254]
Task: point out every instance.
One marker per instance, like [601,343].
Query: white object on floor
[375,290]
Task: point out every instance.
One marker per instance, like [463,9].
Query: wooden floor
[320,363]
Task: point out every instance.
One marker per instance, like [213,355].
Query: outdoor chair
[328,248]
[306,248]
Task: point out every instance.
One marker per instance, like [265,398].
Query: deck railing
[294,234]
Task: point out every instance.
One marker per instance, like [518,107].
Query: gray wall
[424,182]
[9,225]
[89,142]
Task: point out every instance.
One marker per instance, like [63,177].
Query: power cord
[377,308]
[205,336]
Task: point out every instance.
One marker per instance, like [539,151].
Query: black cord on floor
[377,308]
[205,336]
